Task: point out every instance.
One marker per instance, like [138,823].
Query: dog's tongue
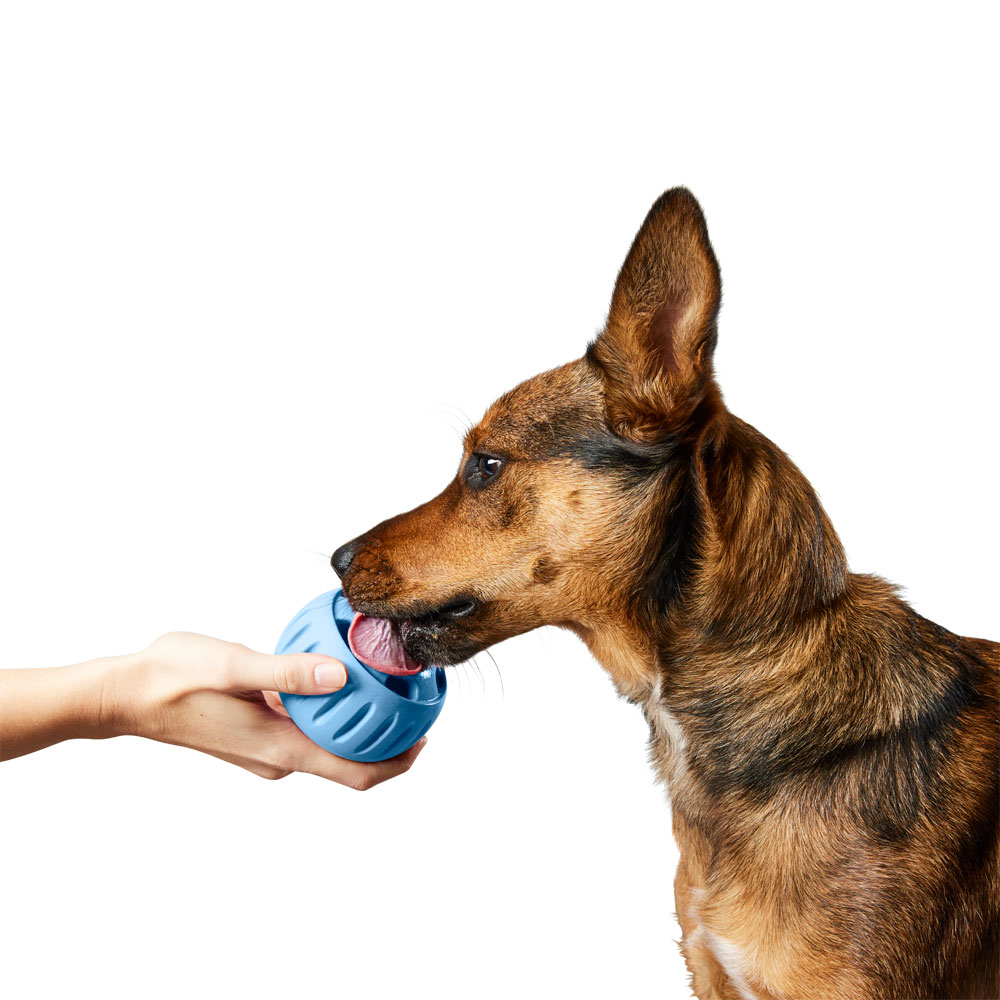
[376,642]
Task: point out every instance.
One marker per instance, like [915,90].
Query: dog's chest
[708,954]
[668,743]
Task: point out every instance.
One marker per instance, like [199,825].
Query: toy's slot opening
[401,686]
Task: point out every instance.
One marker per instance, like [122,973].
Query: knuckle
[168,637]
[161,647]
[285,676]
[272,773]
[231,662]
[363,782]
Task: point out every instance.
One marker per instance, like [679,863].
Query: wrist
[101,704]
[109,697]
[121,688]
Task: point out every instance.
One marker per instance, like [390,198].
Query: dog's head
[572,501]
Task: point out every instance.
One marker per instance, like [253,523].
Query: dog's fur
[831,757]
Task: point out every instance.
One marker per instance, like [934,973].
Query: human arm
[190,690]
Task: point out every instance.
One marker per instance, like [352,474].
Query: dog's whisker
[458,431]
[466,419]
[499,675]
[479,673]
[469,675]
[453,412]
[457,410]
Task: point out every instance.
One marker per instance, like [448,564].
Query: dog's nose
[341,559]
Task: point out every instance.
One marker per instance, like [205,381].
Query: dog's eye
[488,467]
[481,470]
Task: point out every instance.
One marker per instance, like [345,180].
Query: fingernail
[330,676]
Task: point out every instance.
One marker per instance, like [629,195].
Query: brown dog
[831,756]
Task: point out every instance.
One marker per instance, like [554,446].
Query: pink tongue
[375,642]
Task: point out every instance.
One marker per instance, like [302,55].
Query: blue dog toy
[375,715]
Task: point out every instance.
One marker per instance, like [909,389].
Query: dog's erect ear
[656,350]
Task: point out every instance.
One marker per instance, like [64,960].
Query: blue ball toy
[375,715]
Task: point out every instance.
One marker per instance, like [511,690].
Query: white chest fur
[732,958]
[670,746]
[670,756]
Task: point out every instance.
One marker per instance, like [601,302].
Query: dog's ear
[656,350]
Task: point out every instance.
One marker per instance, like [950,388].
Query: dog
[831,757]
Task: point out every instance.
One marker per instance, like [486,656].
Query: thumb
[294,673]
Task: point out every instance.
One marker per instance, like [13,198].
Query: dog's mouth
[378,643]
[388,644]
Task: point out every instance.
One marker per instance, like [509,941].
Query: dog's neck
[767,598]
[762,560]
[768,639]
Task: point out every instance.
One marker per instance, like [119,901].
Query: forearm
[51,704]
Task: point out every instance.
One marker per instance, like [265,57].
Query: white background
[257,262]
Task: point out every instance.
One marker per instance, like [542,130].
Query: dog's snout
[341,559]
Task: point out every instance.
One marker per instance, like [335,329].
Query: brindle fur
[831,756]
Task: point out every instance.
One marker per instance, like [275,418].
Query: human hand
[221,698]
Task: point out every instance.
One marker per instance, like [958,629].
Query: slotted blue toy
[375,715]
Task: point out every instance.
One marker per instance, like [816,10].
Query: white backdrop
[257,262]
